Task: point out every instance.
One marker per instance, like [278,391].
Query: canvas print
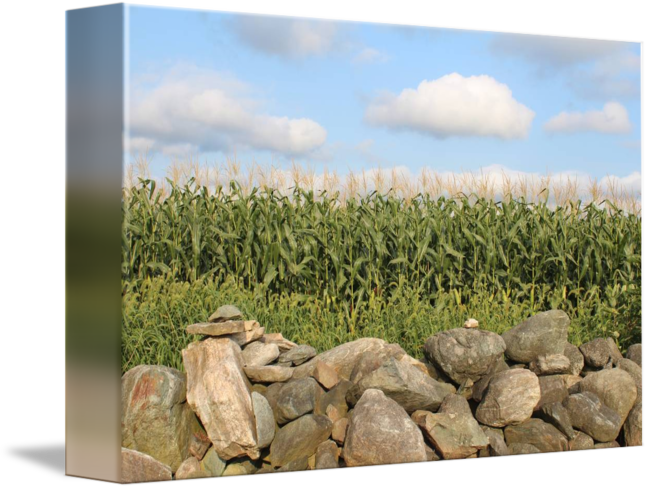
[350,244]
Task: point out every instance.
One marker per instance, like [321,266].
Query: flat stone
[464,353]
[615,387]
[246,337]
[633,429]
[339,430]
[325,375]
[297,397]
[227,312]
[522,449]
[380,432]
[260,354]
[223,328]
[557,415]
[264,420]
[156,420]
[405,384]
[544,436]
[189,469]
[140,467]
[342,358]
[510,398]
[278,339]
[550,364]
[327,455]
[299,438]
[213,464]
[634,354]
[298,354]
[542,334]
[590,415]
[574,355]
[269,373]
[218,392]
[582,441]
[552,389]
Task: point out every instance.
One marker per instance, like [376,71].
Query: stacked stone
[254,402]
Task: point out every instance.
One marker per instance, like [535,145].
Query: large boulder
[403,383]
[140,467]
[543,436]
[510,398]
[464,353]
[589,415]
[542,334]
[299,439]
[615,387]
[219,394]
[380,432]
[297,397]
[156,419]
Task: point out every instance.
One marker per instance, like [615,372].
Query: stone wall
[254,402]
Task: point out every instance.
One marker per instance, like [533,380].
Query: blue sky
[352,96]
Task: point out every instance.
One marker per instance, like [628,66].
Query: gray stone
[615,387]
[380,432]
[582,441]
[596,352]
[615,353]
[575,357]
[272,393]
[522,449]
[479,387]
[264,420]
[542,334]
[260,354]
[634,354]
[269,373]
[510,398]
[224,328]
[297,397]
[298,354]
[327,455]
[464,353]
[544,436]
[278,339]
[246,337]
[370,361]
[300,438]
[156,420]
[496,443]
[240,467]
[557,415]
[212,463]
[590,415]
[550,364]
[552,389]
[140,467]
[403,383]
[633,429]
[226,313]
[218,392]
[336,398]
[636,373]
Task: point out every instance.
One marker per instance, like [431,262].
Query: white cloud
[294,38]
[454,105]
[202,109]
[369,56]
[612,119]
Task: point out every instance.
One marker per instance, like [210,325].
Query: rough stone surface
[570,381]
[464,353]
[370,361]
[246,337]
[615,353]
[590,415]
[615,387]
[522,448]
[342,358]
[269,373]
[552,389]
[264,420]
[496,443]
[403,383]
[227,312]
[335,398]
[223,328]
[576,358]
[634,354]
[633,429]
[188,469]
[636,373]
[218,392]
[300,438]
[260,354]
[381,432]
[140,467]
[510,398]
[240,467]
[453,430]
[609,444]
[325,375]
[582,441]
[339,430]
[596,352]
[550,364]
[278,339]
[479,388]
[156,420]
[298,354]
[327,455]
[297,397]
[557,415]
[544,436]
[542,334]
